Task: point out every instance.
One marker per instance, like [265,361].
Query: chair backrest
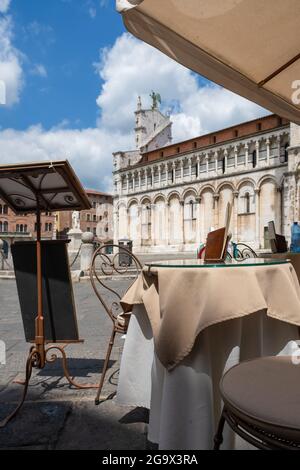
[242,251]
[120,263]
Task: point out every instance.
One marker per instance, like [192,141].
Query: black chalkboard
[58,300]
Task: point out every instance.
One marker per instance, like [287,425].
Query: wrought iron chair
[262,402]
[242,251]
[123,262]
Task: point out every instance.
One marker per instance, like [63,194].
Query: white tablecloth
[185,403]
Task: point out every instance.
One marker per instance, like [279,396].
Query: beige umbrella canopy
[251,47]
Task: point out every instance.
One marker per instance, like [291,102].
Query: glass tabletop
[200,263]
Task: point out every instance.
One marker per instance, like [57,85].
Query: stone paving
[57,416]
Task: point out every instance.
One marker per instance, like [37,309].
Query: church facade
[168,197]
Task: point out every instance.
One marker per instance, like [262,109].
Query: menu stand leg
[67,375]
[32,359]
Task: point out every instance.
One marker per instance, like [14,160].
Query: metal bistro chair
[123,262]
[241,251]
[262,403]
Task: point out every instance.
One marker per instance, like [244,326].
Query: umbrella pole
[39,321]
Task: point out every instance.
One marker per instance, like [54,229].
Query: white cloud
[88,150]
[11,72]
[4,6]
[131,68]
[39,70]
[128,69]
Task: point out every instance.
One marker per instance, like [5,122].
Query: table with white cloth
[191,321]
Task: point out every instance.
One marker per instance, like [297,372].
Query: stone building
[167,199]
[24,226]
[98,219]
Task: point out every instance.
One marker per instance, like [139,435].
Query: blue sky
[65,37]
[73,76]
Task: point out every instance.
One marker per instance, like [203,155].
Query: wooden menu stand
[217,241]
[33,188]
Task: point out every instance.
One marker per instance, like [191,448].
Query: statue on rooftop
[156,99]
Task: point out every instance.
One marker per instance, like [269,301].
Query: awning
[251,47]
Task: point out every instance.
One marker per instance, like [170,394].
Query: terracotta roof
[96,192]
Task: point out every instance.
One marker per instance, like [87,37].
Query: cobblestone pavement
[57,416]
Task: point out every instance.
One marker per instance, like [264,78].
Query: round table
[184,400]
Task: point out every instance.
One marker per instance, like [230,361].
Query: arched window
[1,227]
[247,203]
[50,227]
[5,209]
[46,227]
[5,227]
[21,228]
[25,228]
[254,158]
[18,228]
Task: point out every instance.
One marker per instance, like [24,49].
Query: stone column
[127,183]
[146,178]
[235,216]
[140,180]
[159,175]
[138,241]
[167,174]
[198,221]
[268,151]
[257,218]
[279,149]
[128,224]
[235,157]
[257,153]
[182,170]
[278,210]
[206,161]
[198,166]
[181,222]
[226,157]
[216,162]
[152,177]
[190,169]
[133,181]
[246,155]
[167,224]
[153,238]
[216,211]
[116,226]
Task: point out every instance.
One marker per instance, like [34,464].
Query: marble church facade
[168,197]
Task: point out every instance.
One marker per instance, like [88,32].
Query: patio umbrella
[251,47]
